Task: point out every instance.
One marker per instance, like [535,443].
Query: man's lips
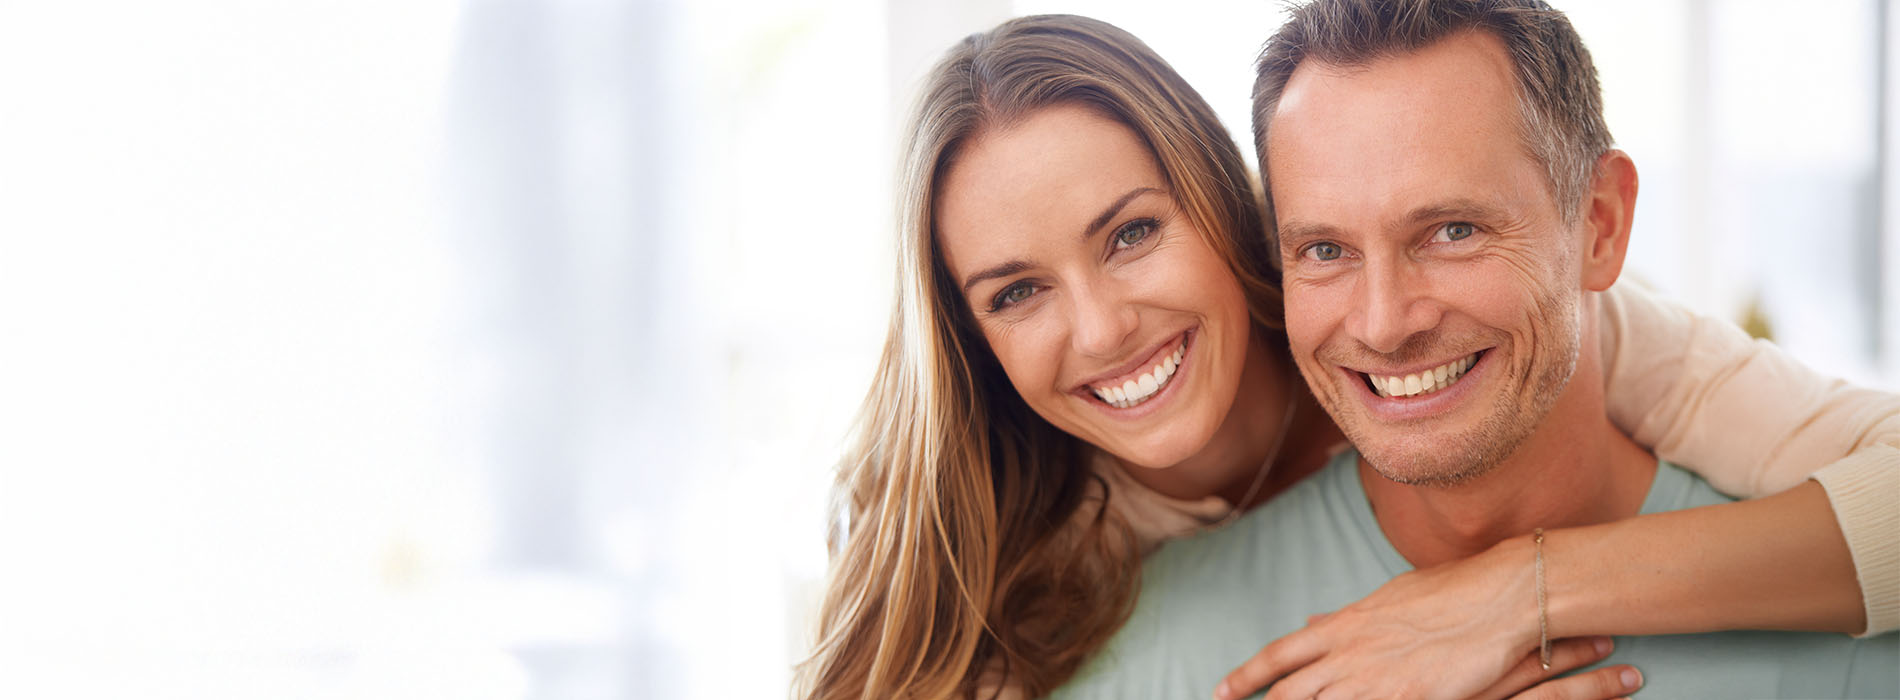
[1421,381]
[1386,407]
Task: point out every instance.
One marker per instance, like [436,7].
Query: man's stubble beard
[1454,460]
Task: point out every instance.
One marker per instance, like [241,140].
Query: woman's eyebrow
[1003,270]
[1113,209]
[1014,266]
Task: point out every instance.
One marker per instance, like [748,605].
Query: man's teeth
[1144,385]
[1424,382]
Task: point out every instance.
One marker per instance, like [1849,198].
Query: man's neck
[1575,469]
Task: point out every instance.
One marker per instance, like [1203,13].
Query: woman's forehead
[1048,175]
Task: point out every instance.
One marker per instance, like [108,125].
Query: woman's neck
[1229,465]
[1311,439]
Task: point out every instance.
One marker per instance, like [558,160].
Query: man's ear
[1609,208]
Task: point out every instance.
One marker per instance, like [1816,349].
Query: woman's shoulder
[1151,516]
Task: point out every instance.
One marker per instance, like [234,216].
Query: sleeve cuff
[1862,488]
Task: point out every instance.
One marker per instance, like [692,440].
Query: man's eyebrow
[1003,270]
[1455,210]
[1114,208]
[1295,232]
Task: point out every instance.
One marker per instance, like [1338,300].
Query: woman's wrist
[1570,609]
[1513,563]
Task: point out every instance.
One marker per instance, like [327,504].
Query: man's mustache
[1425,346]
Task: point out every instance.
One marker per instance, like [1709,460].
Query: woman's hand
[1609,682]
[1456,631]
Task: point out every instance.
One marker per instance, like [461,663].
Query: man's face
[1432,286]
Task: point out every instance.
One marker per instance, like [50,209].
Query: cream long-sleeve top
[1702,394]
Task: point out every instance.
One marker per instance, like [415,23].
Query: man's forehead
[1397,133]
[1462,66]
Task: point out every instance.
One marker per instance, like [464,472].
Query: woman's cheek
[1031,350]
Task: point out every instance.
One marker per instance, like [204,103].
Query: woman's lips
[1144,385]
[1140,383]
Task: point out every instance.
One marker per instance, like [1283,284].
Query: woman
[1005,482]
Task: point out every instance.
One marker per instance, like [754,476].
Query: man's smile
[1391,396]
[1420,383]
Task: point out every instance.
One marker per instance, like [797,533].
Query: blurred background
[501,349]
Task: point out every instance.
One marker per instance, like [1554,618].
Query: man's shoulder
[1257,531]
[1290,544]
[1762,664]
[1676,488]
[1210,601]
[1752,663]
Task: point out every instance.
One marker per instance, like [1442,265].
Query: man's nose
[1391,305]
[1103,320]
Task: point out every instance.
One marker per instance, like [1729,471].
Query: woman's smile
[1123,390]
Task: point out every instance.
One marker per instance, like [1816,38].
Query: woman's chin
[1158,441]
[1162,454]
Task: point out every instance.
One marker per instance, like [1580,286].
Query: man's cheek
[1310,310]
[1492,291]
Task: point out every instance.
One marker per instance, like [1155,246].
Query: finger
[1314,618]
[1283,656]
[1565,655]
[1600,684]
[1308,683]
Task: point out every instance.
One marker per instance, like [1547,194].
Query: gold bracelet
[1543,612]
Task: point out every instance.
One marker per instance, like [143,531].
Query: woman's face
[1113,318]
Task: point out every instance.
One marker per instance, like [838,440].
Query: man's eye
[1012,294]
[1324,251]
[1133,233]
[1454,231]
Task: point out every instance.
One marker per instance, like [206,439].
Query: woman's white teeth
[1424,382]
[1144,385]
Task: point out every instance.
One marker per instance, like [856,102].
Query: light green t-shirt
[1210,602]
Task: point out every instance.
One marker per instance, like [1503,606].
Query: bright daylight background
[494,349]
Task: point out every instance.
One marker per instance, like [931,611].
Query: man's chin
[1436,461]
[1413,471]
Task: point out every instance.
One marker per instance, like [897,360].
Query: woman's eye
[1454,231]
[1133,234]
[1324,251]
[1012,294]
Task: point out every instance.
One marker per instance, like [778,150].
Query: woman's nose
[1103,321]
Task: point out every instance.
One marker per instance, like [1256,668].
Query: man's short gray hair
[1559,101]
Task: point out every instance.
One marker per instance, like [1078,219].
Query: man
[1443,236]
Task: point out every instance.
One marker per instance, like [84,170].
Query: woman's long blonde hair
[966,541]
